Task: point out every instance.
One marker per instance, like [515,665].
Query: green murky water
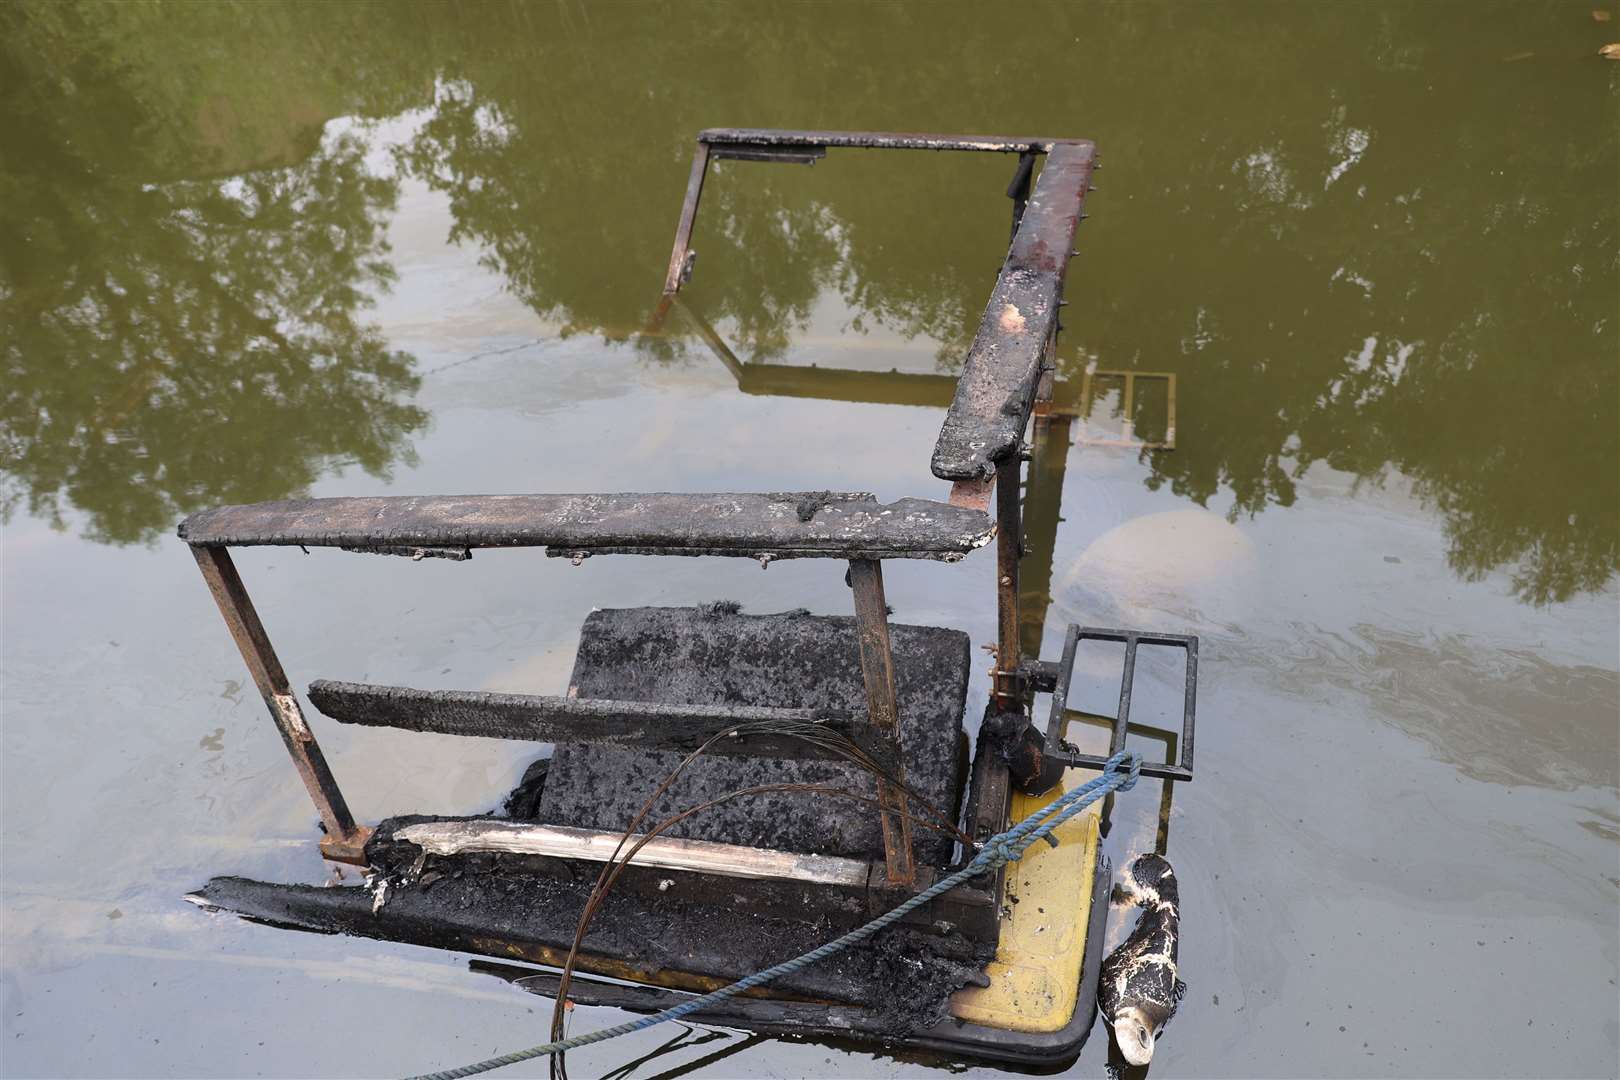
[251,251]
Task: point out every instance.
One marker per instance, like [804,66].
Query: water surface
[262,250]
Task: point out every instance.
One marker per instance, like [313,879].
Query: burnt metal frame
[1007,382]
[1056,750]
[1007,372]
[807,147]
[345,839]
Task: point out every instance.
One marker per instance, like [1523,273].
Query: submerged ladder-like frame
[980,450]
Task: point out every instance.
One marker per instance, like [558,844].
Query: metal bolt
[1006,579]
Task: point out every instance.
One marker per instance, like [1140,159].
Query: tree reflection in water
[1345,256]
[171,343]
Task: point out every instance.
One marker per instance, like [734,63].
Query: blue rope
[1000,849]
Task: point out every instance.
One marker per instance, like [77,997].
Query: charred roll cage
[1007,382]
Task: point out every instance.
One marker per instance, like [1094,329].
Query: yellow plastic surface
[1046,904]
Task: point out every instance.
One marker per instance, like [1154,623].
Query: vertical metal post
[344,839]
[877,667]
[1170,415]
[1043,502]
[1128,427]
[1009,548]
[1018,190]
[1116,741]
[683,231]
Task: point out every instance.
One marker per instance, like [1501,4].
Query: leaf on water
[1610,51]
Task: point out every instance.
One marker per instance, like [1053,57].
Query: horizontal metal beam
[845,384]
[1073,759]
[996,392]
[786,884]
[789,155]
[880,140]
[772,525]
[535,718]
[664,852]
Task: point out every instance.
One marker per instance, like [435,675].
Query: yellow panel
[1046,904]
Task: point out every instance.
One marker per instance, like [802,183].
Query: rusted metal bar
[344,839]
[594,720]
[996,392]
[1009,690]
[776,525]
[880,140]
[678,258]
[973,494]
[808,154]
[877,668]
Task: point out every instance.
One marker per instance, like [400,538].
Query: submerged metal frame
[1088,394]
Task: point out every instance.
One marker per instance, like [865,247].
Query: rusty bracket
[349,849]
[1037,760]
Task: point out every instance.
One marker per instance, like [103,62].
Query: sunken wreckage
[844,734]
